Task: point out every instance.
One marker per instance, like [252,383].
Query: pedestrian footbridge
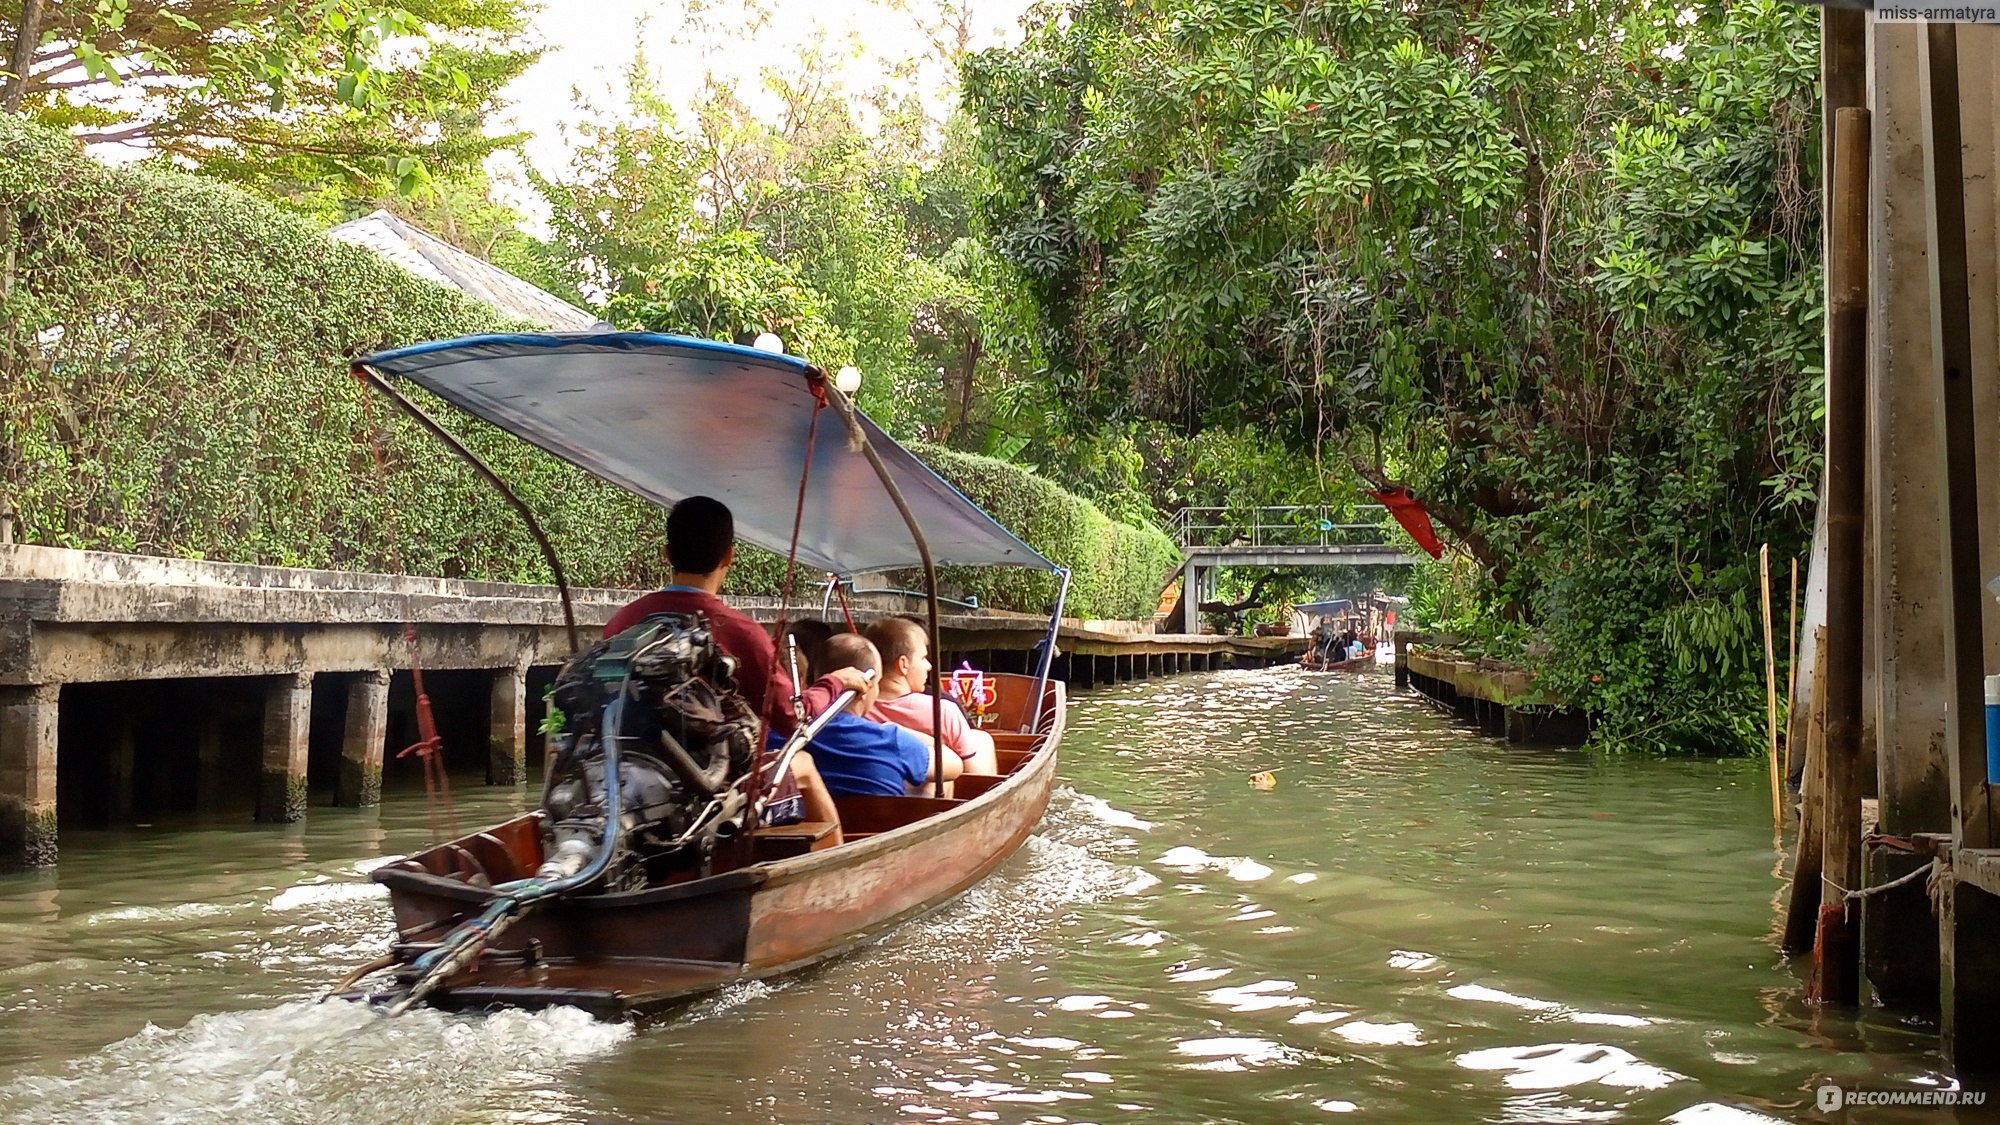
[1294,536]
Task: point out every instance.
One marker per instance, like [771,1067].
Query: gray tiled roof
[433,258]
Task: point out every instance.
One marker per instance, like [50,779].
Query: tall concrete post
[1899,932]
[281,782]
[1960,142]
[361,742]
[1190,606]
[507,737]
[28,775]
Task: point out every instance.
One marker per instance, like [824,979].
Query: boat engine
[666,692]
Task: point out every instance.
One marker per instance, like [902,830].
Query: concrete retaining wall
[178,658]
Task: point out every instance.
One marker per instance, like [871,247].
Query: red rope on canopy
[429,746]
[816,382]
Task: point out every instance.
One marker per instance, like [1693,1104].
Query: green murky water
[1415,925]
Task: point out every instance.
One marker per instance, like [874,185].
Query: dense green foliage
[172,381]
[1554,268]
[1551,268]
[299,100]
[1117,569]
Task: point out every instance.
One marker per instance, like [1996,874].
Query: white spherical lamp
[848,379]
[769,342]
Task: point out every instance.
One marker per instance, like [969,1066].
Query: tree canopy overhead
[285,98]
[1552,266]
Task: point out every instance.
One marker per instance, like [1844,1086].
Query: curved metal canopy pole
[858,440]
[1032,720]
[370,377]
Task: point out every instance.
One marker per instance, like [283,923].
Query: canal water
[1414,924]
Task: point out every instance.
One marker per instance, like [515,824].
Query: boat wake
[303,1062]
[1010,913]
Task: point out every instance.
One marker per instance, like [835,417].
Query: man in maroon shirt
[701,543]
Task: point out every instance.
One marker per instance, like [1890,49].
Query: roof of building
[434,259]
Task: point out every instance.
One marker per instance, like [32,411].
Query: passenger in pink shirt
[906,668]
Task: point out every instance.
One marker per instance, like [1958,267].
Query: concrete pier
[281,780]
[1501,702]
[208,762]
[261,642]
[507,740]
[363,732]
[28,775]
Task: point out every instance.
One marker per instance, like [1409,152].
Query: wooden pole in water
[1771,694]
[1837,959]
[1802,917]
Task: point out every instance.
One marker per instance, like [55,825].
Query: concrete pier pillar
[1190,612]
[28,775]
[1968,918]
[208,761]
[281,782]
[123,780]
[361,742]
[507,737]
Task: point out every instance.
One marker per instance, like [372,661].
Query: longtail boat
[644,877]
[792,902]
[1355,664]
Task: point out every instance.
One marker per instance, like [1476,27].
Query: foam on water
[177,912]
[321,1062]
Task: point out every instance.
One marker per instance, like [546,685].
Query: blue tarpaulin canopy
[667,417]
[1319,609]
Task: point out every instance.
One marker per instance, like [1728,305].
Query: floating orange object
[1266,780]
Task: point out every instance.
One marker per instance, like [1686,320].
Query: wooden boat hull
[1354,665]
[635,953]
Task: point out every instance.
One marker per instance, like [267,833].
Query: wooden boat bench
[783,841]
[970,785]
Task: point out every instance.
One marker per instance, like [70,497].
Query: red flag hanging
[1409,512]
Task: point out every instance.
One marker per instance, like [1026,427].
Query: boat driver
[863,758]
[701,545]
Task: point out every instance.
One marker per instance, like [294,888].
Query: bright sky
[589,42]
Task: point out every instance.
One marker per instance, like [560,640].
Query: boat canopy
[1318,609]
[667,417]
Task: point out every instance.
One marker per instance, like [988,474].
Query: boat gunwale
[769,872]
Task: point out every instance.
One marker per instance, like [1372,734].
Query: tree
[624,209]
[1551,267]
[283,97]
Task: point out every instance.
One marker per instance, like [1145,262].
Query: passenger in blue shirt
[858,757]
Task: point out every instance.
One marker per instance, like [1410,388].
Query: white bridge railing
[1295,525]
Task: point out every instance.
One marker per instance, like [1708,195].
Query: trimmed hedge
[173,382]
[1117,570]
[173,379]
